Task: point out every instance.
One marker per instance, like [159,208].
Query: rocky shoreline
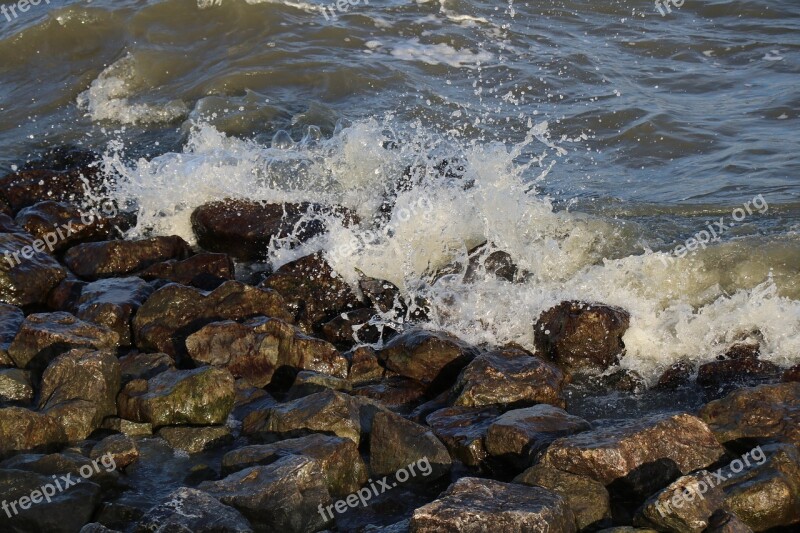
[268,383]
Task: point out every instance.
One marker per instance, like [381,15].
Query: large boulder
[27,274]
[338,459]
[581,336]
[427,356]
[463,430]
[608,454]
[68,223]
[313,291]
[174,312]
[206,515]
[396,442]
[472,504]
[112,303]
[202,397]
[685,505]
[255,349]
[44,336]
[91,376]
[31,186]
[245,228]
[282,496]
[22,429]
[764,413]
[109,259]
[510,377]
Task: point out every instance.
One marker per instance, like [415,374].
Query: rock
[338,459]
[102,472]
[383,295]
[764,413]
[581,336]
[327,412]
[207,515]
[309,382]
[144,365]
[66,224]
[44,336]
[206,271]
[497,263]
[364,366]
[725,375]
[244,229]
[611,454]
[22,429]
[126,427]
[509,377]
[174,312]
[196,440]
[15,386]
[427,356]
[78,418]
[118,450]
[588,499]
[282,496]
[396,443]
[472,504]
[791,374]
[28,187]
[519,435]
[352,327]
[66,512]
[203,397]
[684,506]
[65,295]
[89,376]
[765,493]
[94,527]
[112,303]
[255,349]
[463,430]
[723,521]
[11,319]
[313,291]
[26,274]
[675,376]
[110,259]
[397,393]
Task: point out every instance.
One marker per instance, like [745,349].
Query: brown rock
[205,271]
[581,336]
[117,450]
[725,374]
[22,429]
[112,303]
[11,319]
[364,366]
[120,258]
[791,374]
[397,393]
[27,277]
[194,439]
[723,521]
[309,382]
[66,224]
[144,365]
[463,430]
[28,187]
[686,505]
[352,327]
[396,442]
[675,376]
[15,386]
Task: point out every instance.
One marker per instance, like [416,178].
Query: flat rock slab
[473,504]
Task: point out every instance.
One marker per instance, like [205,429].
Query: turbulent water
[587,140]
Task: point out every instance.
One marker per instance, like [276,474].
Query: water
[595,137]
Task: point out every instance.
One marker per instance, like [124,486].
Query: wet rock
[675,376]
[15,386]
[308,382]
[65,295]
[255,349]
[66,512]
[144,365]
[686,505]
[77,417]
[364,366]
[509,377]
[43,336]
[622,380]
[396,442]
[62,225]
[588,499]
[397,393]
[519,435]
[22,429]
[463,430]
[112,303]
[89,376]
[765,493]
[95,527]
[175,311]
[338,459]
[485,260]
[30,186]
[581,336]
[427,356]
[726,374]
[383,295]
[26,274]
[11,318]
[352,327]
[196,440]
[244,228]
[472,504]
[313,291]
[127,427]
[282,496]
[68,462]
[120,258]
[116,450]
[63,158]
[791,374]
[723,521]
[207,515]
[764,413]
[202,397]
[205,271]
[255,408]
[613,453]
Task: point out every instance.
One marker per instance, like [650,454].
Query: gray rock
[205,515]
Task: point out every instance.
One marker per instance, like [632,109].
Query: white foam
[437,54]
